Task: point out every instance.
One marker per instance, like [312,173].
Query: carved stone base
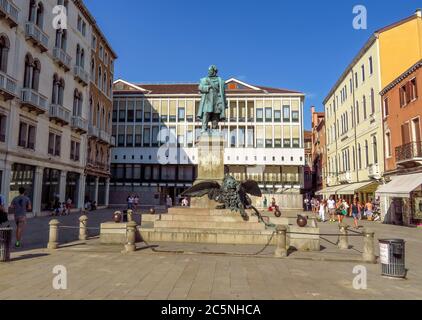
[210,166]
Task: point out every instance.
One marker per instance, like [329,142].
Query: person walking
[369,210]
[130,200]
[322,211]
[20,206]
[331,205]
[356,208]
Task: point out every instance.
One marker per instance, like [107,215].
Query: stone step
[194,218]
[211,236]
[208,225]
[202,212]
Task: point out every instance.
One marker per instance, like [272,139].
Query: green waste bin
[393,258]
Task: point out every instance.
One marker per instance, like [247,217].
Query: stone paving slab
[103,272]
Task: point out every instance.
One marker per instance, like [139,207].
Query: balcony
[93,132]
[105,137]
[81,75]
[374,171]
[7,86]
[409,155]
[36,36]
[79,125]
[10,12]
[34,101]
[59,114]
[62,58]
[345,177]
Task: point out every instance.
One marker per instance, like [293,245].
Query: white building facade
[263,140]
[44,101]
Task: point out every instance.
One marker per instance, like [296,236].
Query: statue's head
[229,182]
[212,71]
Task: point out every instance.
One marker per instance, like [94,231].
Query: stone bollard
[53,241]
[343,240]
[131,237]
[130,216]
[83,231]
[369,247]
[281,238]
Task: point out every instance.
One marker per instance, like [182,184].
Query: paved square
[103,272]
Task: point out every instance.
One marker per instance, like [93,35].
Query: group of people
[338,210]
[62,208]
[273,207]
[133,202]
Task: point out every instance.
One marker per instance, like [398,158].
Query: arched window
[27,80]
[36,75]
[375,149]
[100,77]
[360,157]
[32,11]
[366,153]
[105,81]
[77,103]
[78,53]
[40,15]
[82,59]
[93,69]
[4,52]
[103,125]
[58,90]
[364,108]
[97,124]
[372,101]
[61,91]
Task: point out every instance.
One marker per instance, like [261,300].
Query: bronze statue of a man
[213,102]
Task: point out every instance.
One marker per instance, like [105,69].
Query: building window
[3,125]
[268,115]
[77,103]
[181,114]
[4,53]
[413,89]
[366,153]
[58,91]
[32,73]
[286,113]
[364,108]
[363,73]
[372,101]
[356,80]
[259,115]
[295,116]
[286,143]
[388,144]
[408,92]
[94,43]
[386,111]
[371,66]
[54,144]
[75,151]
[375,149]
[296,143]
[26,136]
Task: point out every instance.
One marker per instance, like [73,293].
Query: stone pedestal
[210,166]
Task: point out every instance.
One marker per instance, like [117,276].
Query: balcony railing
[105,136]
[62,58]
[93,132]
[37,36]
[59,114]
[345,177]
[9,11]
[374,171]
[34,101]
[409,152]
[7,86]
[79,124]
[81,75]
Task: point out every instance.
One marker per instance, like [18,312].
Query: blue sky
[301,45]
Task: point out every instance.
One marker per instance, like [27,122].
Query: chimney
[419,12]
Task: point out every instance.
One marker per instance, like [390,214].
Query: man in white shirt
[331,205]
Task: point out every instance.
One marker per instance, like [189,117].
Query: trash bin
[5,240]
[393,258]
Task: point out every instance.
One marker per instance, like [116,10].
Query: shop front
[22,177]
[72,182]
[50,189]
[401,200]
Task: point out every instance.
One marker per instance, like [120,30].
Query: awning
[329,191]
[351,189]
[401,186]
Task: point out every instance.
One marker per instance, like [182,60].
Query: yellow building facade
[353,109]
